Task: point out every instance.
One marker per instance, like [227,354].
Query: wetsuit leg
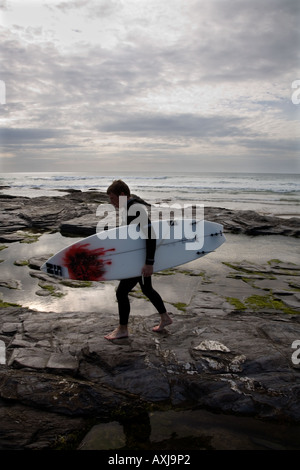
[125,286]
[152,294]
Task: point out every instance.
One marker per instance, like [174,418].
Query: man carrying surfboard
[116,190]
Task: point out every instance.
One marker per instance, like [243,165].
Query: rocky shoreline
[75,214]
[229,350]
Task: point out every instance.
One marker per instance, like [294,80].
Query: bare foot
[165,321]
[118,333]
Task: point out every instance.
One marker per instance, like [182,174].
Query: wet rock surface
[45,213]
[224,354]
[232,348]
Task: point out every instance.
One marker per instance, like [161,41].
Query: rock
[82,226]
[9,328]
[76,214]
[36,263]
[92,442]
[209,345]
[87,225]
[10,283]
[44,213]
[59,364]
[12,237]
[229,355]
[62,395]
[39,434]
[252,223]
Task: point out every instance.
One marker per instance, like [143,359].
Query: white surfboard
[119,253]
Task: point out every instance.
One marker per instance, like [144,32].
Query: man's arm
[144,221]
[147,269]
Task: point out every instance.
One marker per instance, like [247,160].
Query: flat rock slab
[230,357]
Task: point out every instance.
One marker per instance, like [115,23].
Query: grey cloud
[9,136]
[92,91]
[238,40]
[181,125]
[272,145]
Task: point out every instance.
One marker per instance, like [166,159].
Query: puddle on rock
[36,293]
[191,430]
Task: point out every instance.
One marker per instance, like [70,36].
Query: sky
[150,85]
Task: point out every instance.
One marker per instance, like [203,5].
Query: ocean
[268,194]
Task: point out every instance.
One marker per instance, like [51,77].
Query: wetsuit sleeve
[150,244]
[150,250]
[150,237]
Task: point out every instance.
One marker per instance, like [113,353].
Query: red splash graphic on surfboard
[85,264]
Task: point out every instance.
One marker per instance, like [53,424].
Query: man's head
[115,190]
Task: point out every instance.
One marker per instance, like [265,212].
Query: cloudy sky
[193,85]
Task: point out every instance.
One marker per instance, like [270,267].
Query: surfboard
[120,252]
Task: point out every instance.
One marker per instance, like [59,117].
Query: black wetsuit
[126,285]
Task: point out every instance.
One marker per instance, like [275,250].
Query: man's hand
[147,270]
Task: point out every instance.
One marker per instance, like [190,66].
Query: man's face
[114,199]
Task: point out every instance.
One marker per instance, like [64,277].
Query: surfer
[117,189]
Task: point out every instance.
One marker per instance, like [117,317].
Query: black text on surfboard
[54,269]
